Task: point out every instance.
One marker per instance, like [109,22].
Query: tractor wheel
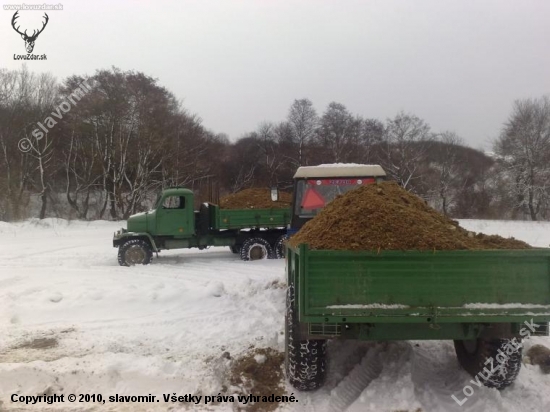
[305,360]
[256,248]
[235,249]
[496,361]
[135,252]
[280,246]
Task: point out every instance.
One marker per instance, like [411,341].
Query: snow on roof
[341,165]
[176,191]
[340,170]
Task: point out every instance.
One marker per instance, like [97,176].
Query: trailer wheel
[256,248]
[280,246]
[305,360]
[235,249]
[481,356]
[135,252]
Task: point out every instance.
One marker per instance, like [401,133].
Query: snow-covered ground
[73,321]
[535,233]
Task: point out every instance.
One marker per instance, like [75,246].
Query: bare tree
[269,151]
[25,99]
[405,146]
[371,136]
[446,170]
[243,178]
[130,138]
[42,150]
[524,149]
[10,123]
[243,166]
[303,122]
[339,133]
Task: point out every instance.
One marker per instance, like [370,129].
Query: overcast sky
[457,64]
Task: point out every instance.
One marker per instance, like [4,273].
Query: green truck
[174,224]
[487,301]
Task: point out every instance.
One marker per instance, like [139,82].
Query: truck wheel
[235,249]
[280,246]
[481,356]
[135,252]
[305,360]
[256,248]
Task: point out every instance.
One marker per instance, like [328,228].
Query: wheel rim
[258,252]
[470,346]
[135,255]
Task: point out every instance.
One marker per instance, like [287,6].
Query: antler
[15,16]
[43,26]
[34,33]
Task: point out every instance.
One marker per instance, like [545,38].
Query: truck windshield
[313,194]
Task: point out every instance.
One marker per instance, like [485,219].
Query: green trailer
[174,224]
[248,218]
[483,300]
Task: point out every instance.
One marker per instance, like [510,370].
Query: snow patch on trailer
[369,306]
[503,306]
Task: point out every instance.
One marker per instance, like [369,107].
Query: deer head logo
[29,40]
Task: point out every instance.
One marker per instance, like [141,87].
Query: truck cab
[174,213]
[316,186]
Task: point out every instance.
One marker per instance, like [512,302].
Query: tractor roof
[339,170]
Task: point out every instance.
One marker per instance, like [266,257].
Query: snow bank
[535,233]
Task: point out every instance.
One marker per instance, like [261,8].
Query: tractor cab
[316,186]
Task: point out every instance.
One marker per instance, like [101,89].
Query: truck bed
[249,218]
[420,287]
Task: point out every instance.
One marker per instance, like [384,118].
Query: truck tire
[235,249]
[135,252]
[481,356]
[256,248]
[305,360]
[280,246]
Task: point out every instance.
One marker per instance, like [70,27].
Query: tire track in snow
[10,281]
[343,356]
[436,378]
[349,389]
[42,252]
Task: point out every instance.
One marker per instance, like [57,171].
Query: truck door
[175,216]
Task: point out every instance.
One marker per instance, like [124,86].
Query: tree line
[108,154]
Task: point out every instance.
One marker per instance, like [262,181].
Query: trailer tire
[279,248]
[135,252]
[480,357]
[256,248]
[305,360]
